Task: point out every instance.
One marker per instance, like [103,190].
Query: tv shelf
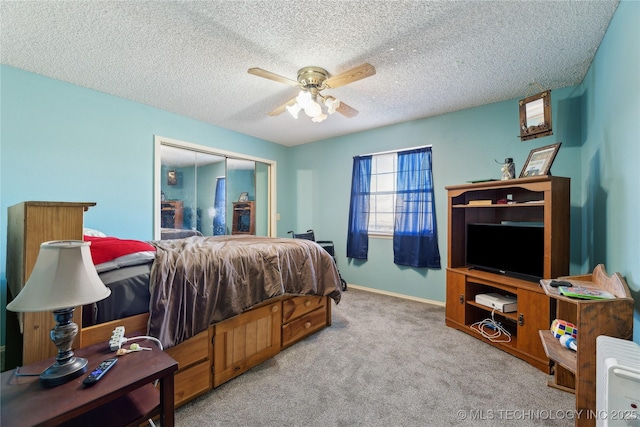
[543,200]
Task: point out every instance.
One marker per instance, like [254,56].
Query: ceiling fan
[311,81]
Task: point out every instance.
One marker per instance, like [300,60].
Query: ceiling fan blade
[281,109]
[347,111]
[358,73]
[271,76]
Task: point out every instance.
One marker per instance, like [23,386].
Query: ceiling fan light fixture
[311,82]
[313,109]
[294,110]
[303,99]
[332,104]
[319,118]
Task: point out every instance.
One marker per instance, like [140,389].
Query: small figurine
[508,169]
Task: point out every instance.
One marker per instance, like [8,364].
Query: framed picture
[540,160]
[535,116]
[244,197]
[172,177]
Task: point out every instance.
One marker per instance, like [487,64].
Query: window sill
[381,236]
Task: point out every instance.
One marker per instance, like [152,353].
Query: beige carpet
[385,362]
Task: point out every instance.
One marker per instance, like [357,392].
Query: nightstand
[125,395]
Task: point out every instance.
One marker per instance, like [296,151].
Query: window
[392,194]
[383,193]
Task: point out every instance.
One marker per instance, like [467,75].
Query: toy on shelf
[566,332]
[569,342]
[562,327]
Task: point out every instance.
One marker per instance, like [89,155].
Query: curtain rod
[395,151]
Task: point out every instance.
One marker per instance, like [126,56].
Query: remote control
[99,372]
[556,283]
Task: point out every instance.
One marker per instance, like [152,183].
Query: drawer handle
[307,325]
[274,308]
[307,303]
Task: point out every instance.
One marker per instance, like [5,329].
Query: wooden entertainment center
[542,200]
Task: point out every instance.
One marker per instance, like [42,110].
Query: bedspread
[198,281]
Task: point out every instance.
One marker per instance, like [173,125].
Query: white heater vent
[617,382]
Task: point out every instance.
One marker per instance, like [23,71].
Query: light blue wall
[63,142]
[610,187]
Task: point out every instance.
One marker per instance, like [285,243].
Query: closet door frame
[160,141]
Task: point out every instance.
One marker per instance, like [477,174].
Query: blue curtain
[415,239]
[219,221]
[358,234]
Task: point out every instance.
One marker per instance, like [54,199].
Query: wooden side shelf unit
[541,199]
[576,371]
[244,218]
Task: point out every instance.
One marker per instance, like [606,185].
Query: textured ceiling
[191,57]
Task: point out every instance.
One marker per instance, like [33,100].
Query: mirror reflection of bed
[173,218]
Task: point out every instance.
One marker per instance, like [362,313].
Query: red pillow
[105,249]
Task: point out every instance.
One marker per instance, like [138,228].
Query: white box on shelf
[502,303]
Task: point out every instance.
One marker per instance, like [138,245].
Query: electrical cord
[492,329]
[144,337]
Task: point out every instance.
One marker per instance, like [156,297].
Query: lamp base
[67,366]
[58,374]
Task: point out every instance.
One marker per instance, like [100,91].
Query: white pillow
[93,233]
[136,258]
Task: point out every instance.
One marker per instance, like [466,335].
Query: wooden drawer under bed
[193,377]
[302,316]
[244,341]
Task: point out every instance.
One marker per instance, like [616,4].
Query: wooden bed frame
[214,356]
[233,346]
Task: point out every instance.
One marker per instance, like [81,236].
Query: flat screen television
[510,249]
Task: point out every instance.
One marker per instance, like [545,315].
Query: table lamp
[63,277]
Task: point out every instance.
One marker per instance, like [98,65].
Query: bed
[219,305]
[177,233]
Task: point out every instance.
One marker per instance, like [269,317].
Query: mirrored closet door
[204,191]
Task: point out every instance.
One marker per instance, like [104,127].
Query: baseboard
[393,294]
[1,358]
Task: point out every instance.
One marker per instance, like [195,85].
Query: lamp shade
[294,110]
[319,118]
[313,109]
[63,276]
[332,104]
[303,99]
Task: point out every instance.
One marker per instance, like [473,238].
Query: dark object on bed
[177,233]
[327,245]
